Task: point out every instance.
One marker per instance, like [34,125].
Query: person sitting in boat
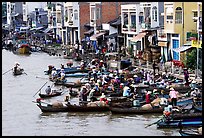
[126,91]
[193,84]
[82,65]
[62,75]
[196,93]
[48,90]
[50,67]
[62,66]
[54,74]
[16,67]
[91,95]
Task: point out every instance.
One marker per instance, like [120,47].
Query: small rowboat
[53,94]
[18,72]
[73,108]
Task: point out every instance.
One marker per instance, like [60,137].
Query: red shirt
[147,97]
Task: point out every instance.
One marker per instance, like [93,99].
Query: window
[154,13]
[92,13]
[66,14]
[141,18]
[70,15]
[98,14]
[178,15]
[75,15]
[195,14]
[58,18]
[133,20]
[175,35]
[169,17]
[188,35]
[125,20]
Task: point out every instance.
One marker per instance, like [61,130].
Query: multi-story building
[139,23]
[179,27]
[4,13]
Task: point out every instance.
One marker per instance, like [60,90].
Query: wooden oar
[41,77]
[40,89]
[154,122]
[6,71]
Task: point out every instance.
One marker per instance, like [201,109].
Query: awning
[162,44]
[89,32]
[111,35]
[181,49]
[138,37]
[95,36]
[47,30]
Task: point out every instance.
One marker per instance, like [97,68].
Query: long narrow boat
[68,84]
[191,122]
[73,108]
[70,70]
[79,74]
[186,115]
[18,72]
[190,132]
[135,110]
[53,94]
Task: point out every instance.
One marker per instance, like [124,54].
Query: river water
[21,117]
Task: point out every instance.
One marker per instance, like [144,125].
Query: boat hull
[73,108]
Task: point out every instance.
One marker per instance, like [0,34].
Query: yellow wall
[189,24]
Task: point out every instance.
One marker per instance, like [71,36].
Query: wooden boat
[134,110]
[77,75]
[68,84]
[184,101]
[190,132]
[53,94]
[185,115]
[73,108]
[24,49]
[70,70]
[190,122]
[18,72]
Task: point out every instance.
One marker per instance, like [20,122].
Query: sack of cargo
[200,130]
[92,104]
[78,82]
[57,104]
[156,102]
[146,107]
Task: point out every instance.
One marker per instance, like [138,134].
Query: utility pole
[196,72]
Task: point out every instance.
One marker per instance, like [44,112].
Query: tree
[191,58]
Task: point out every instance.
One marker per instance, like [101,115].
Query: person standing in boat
[48,90]
[186,75]
[83,94]
[173,95]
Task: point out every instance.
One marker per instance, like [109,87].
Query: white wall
[32,5]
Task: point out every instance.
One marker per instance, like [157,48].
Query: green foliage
[191,58]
